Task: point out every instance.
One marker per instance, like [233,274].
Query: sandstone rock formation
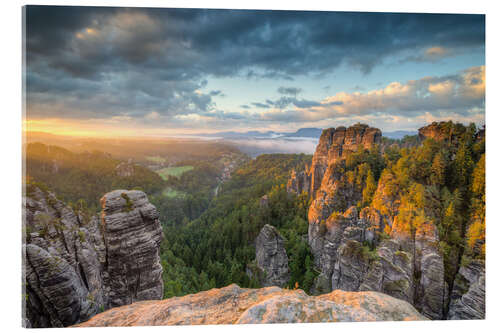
[299,182]
[441,131]
[235,305]
[347,245]
[468,295]
[341,233]
[334,145]
[351,255]
[271,261]
[75,266]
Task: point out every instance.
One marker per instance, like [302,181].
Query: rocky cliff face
[270,267]
[235,305]
[441,131]
[341,233]
[75,266]
[299,181]
[325,180]
[347,244]
[334,145]
[351,256]
[468,296]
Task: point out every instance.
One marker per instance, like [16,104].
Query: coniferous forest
[209,239]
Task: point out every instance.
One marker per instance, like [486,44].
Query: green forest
[85,177]
[215,249]
[194,189]
[441,181]
[209,238]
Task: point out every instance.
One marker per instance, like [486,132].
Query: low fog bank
[255,147]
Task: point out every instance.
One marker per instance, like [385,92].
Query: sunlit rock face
[437,131]
[334,144]
[235,305]
[333,195]
[328,188]
[441,131]
[346,243]
[75,266]
[351,255]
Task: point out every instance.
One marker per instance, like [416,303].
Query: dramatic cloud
[461,94]
[153,65]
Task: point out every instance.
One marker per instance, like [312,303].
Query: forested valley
[212,211]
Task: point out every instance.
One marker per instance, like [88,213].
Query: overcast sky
[134,71]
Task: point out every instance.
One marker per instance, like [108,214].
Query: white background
[10,157]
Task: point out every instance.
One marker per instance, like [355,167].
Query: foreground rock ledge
[235,305]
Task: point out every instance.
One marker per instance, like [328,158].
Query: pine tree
[369,189]
[438,170]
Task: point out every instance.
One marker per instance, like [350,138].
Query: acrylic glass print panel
[244,166]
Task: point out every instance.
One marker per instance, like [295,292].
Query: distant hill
[306,133]
[302,132]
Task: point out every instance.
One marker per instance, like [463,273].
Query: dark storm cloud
[99,61]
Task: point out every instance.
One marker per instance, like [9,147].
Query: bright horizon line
[58,128]
[120,135]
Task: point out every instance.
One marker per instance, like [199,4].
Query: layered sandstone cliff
[235,305]
[334,145]
[351,255]
[75,266]
[441,131]
[366,250]
[271,261]
[468,297]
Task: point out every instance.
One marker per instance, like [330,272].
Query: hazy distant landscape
[252,143]
[303,140]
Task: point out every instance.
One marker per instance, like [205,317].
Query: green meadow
[174,171]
